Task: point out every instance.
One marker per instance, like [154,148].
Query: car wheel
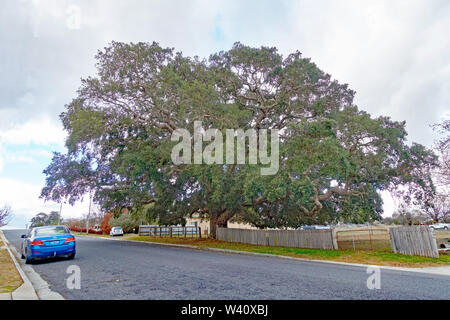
[446,228]
[28,260]
[71,256]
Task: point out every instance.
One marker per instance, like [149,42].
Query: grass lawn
[10,278]
[375,257]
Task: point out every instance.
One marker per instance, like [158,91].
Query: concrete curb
[41,287]
[444,271]
[5,296]
[26,290]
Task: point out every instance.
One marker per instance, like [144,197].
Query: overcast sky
[394,54]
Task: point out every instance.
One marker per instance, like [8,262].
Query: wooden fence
[313,239]
[170,231]
[405,240]
[415,241]
[363,239]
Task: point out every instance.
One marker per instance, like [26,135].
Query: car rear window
[51,231]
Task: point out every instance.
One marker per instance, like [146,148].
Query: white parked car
[440,226]
[116,231]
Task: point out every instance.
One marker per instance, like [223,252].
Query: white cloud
[25,203]
[19,158]
[393,53]
[40,130]
[24,156]
[389,204]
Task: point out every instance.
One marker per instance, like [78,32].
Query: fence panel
[414,241]
[363,239]
[170,231]
[313,239]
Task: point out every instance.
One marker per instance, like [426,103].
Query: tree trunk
[213,225]
[214,222]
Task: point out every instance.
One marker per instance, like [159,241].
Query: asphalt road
[129,270]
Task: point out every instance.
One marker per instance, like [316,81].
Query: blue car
[47,242]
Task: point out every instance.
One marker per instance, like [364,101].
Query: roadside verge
[26,290]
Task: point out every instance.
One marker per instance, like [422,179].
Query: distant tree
[5,215]
[444,172]
[387,220]
[443,150]
[126,221]
[440,211]
[44,219]
[405,216]
[39,220]
[54,218]
[73,222]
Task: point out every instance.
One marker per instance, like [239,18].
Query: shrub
[126,221]
[106,228]
[79,229]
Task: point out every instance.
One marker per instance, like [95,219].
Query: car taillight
[36,243]
[70,239]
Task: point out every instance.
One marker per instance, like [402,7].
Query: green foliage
[334,158]
[126,221]
[43,219]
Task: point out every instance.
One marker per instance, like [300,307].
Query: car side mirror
[23,236]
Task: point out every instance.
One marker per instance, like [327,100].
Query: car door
[28,239]
[24,242]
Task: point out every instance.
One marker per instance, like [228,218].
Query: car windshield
[51,231]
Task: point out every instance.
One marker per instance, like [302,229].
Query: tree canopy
[334,158]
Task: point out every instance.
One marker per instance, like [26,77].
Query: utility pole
[59,217]
[89,213]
